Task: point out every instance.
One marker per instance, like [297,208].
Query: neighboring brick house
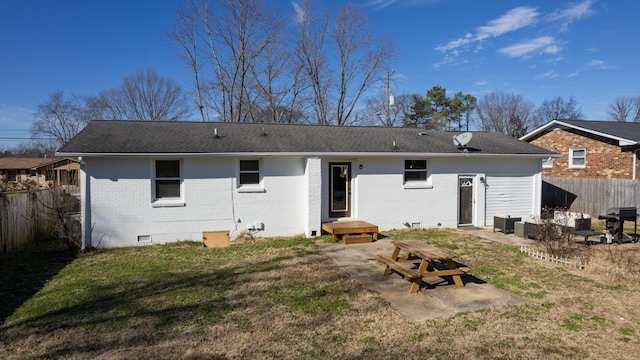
[589,149]
[44,172]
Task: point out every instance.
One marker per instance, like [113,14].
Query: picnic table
[430,257]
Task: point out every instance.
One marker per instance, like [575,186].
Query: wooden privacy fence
[590,196]
[25,216]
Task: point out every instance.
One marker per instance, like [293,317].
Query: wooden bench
[405,271]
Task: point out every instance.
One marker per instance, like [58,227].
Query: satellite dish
[462,140]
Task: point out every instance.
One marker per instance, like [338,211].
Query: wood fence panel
[590,196]
[25,216]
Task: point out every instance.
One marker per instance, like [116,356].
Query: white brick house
[168,181]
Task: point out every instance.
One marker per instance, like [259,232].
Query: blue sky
[539,49]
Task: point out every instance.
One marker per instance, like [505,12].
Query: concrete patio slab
[437,297]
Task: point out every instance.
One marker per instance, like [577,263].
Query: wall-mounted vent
[144,238]
[416,225]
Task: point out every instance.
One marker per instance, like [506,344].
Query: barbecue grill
[614,222]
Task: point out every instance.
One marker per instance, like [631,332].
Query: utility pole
[387,101]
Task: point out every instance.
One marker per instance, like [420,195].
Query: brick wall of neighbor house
[604,158]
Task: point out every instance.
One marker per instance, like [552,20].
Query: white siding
[509,195]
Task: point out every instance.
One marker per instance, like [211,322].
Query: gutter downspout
[635,152]
[83,204]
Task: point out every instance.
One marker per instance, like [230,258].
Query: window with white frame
[167,180]
[577,157]
[415,171]
[249,172]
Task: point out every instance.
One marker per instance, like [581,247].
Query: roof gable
[186,137]
[626,133]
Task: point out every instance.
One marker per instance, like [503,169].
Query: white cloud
[516,19]
[543,44]
[381,4]
[572,13]
[300,13]
[549,74]
[481,82]
[599,64]
[574,74]
[512,20]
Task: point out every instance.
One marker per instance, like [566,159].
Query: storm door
[339,189]
[465,198]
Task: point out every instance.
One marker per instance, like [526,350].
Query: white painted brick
[294,200]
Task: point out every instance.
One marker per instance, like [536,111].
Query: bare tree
[234,34]
[261,70]
[59,118]
[31,149]
[339,82]
[373,113]
[144,95]
[362,59]
[310,53]
[186,38]
[278,84]
[625,108]
[506,113]
[555,109]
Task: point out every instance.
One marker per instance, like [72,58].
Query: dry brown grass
[294,302]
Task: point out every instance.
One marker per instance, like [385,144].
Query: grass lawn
[283,298]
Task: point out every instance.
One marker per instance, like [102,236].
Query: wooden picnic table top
[423,250]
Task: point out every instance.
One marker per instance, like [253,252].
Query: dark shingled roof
[625,130]
[158,137]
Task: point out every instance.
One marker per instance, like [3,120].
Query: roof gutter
[307,154]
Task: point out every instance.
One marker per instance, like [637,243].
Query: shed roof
[107,137]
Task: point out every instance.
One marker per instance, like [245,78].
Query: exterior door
[465,198]
[339,189]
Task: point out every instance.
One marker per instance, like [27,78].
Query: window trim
[416,184]
[258,187]
[572,150]
[167,201]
